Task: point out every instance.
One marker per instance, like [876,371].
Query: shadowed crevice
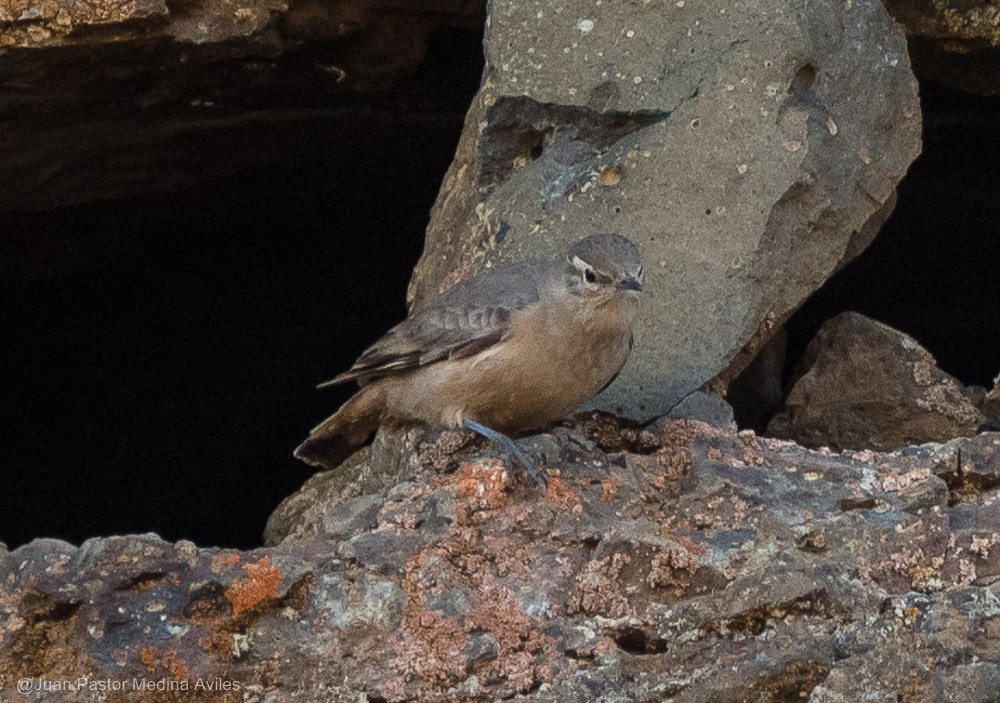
[522,130]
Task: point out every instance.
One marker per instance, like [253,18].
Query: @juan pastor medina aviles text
[97,685]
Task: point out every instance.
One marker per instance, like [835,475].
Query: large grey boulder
[749,149]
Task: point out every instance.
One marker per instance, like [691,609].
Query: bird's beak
[629,283]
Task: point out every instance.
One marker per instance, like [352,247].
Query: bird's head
[604,265]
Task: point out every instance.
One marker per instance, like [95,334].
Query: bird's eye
[590,276]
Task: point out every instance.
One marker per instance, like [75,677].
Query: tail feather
[344,432]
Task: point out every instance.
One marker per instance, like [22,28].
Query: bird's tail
[344,432]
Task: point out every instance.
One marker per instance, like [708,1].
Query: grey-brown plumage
[514,348]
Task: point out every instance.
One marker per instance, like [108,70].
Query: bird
[512,349]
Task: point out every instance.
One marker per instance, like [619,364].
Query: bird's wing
[471,316]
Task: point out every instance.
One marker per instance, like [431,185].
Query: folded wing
[468,318]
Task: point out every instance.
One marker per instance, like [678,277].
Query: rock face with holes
[750,150]
[683,563]
[864,385]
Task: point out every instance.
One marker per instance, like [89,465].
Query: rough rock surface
[750,150]
[865,385]
[107,99]
[991,404]
[953,42]
[682,563]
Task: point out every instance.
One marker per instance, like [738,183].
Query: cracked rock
[693,563]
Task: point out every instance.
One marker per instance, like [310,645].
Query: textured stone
[991,404]
[750,151]
[109,99]
[864,385]
[681,563]
[705,407]
[952,42]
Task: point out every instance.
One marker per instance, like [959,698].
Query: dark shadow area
[160,354]
[932,271]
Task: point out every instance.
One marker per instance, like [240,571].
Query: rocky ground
[684,562]
[751,151]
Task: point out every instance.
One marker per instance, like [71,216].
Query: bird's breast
[554,360]
[555,357]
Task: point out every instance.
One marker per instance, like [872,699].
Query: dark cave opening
[161,352]
[932,270]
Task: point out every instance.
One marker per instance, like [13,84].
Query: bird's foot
[510,449]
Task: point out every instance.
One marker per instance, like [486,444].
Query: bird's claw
[510,450]
[531,471]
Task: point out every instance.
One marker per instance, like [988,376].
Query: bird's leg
[507,445]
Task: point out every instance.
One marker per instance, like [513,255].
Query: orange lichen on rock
[559,492]
[219,643]
[609,488]
[459,619]
[223,561]
[486,482]
[153,661]
[150,658]
[524,651]
[260,586]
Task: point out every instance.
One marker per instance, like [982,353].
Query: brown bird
[509,350]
